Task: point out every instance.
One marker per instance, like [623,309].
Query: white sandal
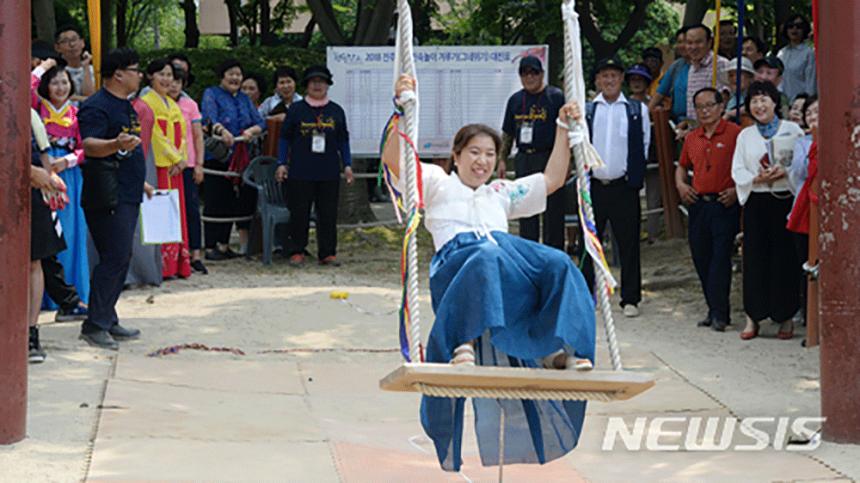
[464,355]
[568,362]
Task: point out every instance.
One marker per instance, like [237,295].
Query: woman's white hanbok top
[452,208]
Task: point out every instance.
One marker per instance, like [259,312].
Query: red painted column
[14,216]
[839,223]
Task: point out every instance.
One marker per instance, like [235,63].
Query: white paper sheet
[160,220]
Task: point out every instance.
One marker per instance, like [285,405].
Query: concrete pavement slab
[145,410]
[167,459]
[215,373]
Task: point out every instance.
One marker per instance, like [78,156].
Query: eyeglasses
[708,106]
[68,41]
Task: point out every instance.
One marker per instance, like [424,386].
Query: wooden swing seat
[447,380]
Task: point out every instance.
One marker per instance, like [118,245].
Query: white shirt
[272,101]
[750,147]
[610,136]
[77,75]
[452,208]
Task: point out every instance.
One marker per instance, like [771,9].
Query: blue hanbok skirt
[74,258]
[522,301]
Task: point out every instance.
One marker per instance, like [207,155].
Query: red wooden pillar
[14,216]
[839,225]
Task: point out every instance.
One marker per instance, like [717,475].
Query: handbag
[216,149]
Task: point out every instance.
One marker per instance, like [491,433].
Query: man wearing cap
[530,120]
[770,69]
[620,131]
[712,203]
[735,101]
[314,144]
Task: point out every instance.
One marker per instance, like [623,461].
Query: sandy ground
[300,402]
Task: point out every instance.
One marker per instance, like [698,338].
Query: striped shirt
[701,76]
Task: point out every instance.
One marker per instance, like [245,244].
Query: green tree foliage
[614,31]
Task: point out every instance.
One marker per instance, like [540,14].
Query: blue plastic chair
[271,202]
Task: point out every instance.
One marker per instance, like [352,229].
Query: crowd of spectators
[747,156]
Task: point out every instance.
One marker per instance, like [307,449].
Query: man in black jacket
[114,183]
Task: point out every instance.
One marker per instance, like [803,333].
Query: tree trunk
[354,203]
[308,35]
[380,24]
[695,11]
[604,49]
[323,14]
[43,12]
[107,25]
[233,17]
[192,31]
[266,37]
[121,27]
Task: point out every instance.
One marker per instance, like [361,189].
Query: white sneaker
[576,364]
[631,310]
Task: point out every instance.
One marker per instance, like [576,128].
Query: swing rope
[404,124]
[586,158]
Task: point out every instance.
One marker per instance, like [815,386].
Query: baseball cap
[609,63]
[746,65]
[771,61]
[638,69]
[530,62]
[320,71]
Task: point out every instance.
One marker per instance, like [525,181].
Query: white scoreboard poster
[457,86]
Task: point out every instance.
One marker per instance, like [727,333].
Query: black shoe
[719,325]
[78,312]
[230,254]
[119,332]
[36,354]
[100,339]
[198,267]
[704,323]
[216,255]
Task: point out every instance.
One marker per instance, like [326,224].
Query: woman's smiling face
[475,163]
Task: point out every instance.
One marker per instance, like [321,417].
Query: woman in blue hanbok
[61,123]
[499,299]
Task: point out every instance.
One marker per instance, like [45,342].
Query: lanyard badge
[526,133]
[318,142]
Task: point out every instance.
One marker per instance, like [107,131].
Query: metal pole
[14,217]
[839,226]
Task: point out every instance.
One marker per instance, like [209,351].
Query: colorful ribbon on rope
[413,221]
[592,242]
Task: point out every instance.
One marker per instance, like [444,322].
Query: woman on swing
[499,299]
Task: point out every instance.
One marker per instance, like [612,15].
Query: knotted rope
[586,158]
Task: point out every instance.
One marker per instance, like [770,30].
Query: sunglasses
[795,25]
